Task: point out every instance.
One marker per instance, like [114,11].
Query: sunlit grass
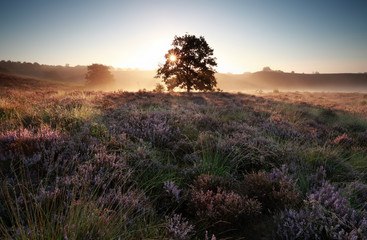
[66,155]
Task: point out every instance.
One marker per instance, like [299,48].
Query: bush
[178,228]
[274,190]
[327,116]
[357,193]
[154,127]
[326,215]
[214,204]
[159,88]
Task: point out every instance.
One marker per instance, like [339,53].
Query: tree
[267,69]
[189,64]
[159,88]
[99,75]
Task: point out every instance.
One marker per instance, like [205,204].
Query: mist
[135,79]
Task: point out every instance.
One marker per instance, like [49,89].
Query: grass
[95,165]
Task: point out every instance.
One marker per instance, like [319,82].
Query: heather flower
[221,205]
[155,128]
[314,130]
[357,193]
[172,189]
[205,123]
[326,215]
[317,179]
[281,129]
[344,140]
[178,228]
[273,190]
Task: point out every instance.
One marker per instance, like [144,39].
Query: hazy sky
[303,36]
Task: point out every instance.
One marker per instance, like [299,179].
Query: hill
[143,165]
[11,81]
[42,71]
[269,80]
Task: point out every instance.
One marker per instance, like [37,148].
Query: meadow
[77,164]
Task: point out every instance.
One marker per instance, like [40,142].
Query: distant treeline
[130,80]
[270,80]
[267,79]
[58,73]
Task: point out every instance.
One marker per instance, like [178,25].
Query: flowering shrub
[358,195]
[178,228]
[154,127]
[27,141]
[273,190]
[326,215]
[343,140]
[172,190]
[205,123]
[281,129]
[313,130]
[98,165]
[213,203]
[252,153]
[221,205]
[104,171]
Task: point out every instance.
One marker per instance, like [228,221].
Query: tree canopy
[99,75]
[189,64]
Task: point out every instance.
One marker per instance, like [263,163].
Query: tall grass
[95,165]
[73,212]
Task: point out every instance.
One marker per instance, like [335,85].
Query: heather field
[80,164]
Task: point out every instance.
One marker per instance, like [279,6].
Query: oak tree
[189,64]
[99,75]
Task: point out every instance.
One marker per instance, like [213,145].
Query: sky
[328,36]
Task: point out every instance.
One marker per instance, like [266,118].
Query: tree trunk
[188,87]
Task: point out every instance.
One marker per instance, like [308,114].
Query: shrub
[282,130]
[214,204]
[357,192]
[252,153]
[171,199]
[159,88]
[206,123]
[221,205]
[361,139]
[172,190]
[178,228]
[327,116]
[154,127]
[326,215]
[104,171]
[343,140]
[274,190]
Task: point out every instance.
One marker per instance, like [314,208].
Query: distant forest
[57,73]
[130,80]
[267,79]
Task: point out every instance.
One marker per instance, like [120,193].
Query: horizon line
[118,68]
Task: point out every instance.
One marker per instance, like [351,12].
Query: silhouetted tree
[159,88]
[99,75]
[267,69]
[189,64]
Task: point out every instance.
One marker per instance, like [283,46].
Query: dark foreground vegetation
[96,165]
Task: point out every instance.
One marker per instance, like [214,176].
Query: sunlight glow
[173,58]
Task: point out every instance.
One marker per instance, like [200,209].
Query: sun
[173,58]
